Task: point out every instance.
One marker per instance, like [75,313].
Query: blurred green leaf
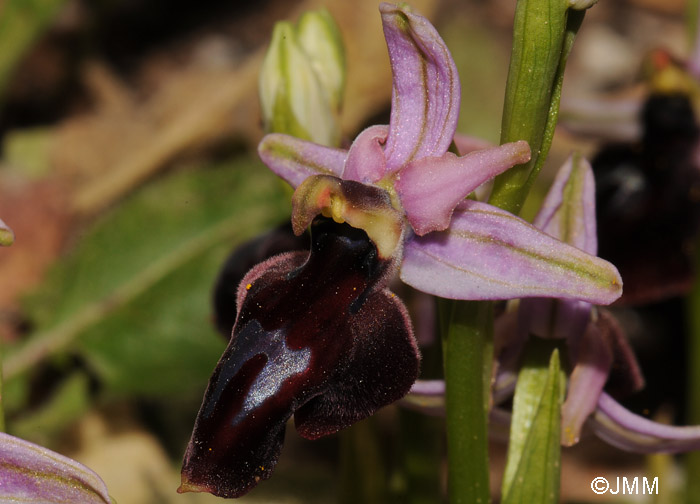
[68,402]
[163,342]
[28,151]
[134,296]
[533,466]
[21,21]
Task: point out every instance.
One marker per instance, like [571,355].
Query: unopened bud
[581,4]
[321,40]
[302,79]
[7,237]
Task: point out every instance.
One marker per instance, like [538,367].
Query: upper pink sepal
[426,90]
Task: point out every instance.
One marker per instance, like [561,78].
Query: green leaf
[533,467]
[70,401]
[133,298]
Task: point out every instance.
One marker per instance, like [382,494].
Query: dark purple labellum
[318,337]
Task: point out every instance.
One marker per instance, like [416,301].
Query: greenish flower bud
[321,40]
[7,237]
[302,79]
[582,4]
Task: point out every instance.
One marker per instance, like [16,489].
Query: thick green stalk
[543,35]
[692,459]
[468,348]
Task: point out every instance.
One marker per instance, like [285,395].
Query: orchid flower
[597,346]
[317,335]
[452,247]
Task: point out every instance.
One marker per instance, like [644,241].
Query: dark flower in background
[648,177]
[648,214]
[648,197]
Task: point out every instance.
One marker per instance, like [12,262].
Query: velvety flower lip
[245,257]
[452,248]
[32,473]
[310,340]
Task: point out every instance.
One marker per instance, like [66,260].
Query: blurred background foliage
[128,172]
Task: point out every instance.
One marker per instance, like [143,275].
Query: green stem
[543,35]
[362,465]
[692,459]
[467,350]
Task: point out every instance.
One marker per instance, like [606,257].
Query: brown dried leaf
[39,217]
